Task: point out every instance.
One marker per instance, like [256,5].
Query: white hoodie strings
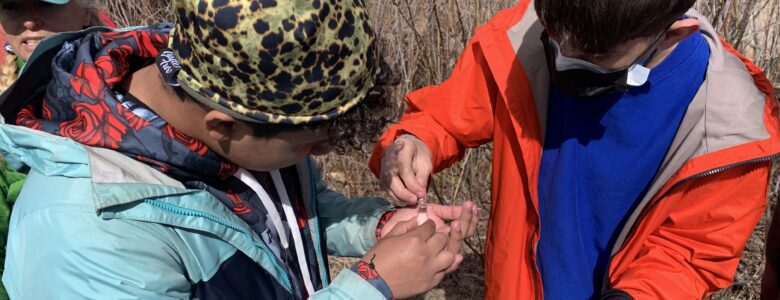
[276,218]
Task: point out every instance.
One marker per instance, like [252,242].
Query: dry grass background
[422,40]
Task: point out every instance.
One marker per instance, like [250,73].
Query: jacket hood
[732,120]
[83,102]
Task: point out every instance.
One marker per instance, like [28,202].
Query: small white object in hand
[422,211]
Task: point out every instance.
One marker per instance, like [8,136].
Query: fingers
[424,231]
[398,175]
[422,163]
[398,190]
[386,181]
[403,227]
[456,237]
[406,170]
[450,259]
[474,222]
[469,219]
[442,228]
[438,242]
[450,213]
[444,261]
[422,171]
[447,213]
[386,188]
[455,265]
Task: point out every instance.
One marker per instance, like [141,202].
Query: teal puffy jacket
[94,223]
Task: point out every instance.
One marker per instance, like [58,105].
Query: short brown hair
[596,27]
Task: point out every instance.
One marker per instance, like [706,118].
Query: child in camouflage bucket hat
[174,161]
[285,62]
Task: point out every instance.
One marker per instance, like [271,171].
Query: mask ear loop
[654,46]
[650,52]
[635,75]
[638,73]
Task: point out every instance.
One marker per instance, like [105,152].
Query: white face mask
[638,74]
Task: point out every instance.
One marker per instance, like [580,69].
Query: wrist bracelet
[367,271]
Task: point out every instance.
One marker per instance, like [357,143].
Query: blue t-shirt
[600,156]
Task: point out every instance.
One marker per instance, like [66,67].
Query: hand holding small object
[430,267]
[405,169]
[413,258]
[466,214]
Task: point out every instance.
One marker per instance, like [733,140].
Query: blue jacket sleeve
[350,223]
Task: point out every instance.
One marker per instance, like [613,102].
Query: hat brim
[58,2]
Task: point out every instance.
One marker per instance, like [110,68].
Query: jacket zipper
[711,172]
[285,280]
[318,249]
[699,176]
[721,169]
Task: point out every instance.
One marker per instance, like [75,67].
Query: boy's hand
[406,167]
[466,215]
[413,259]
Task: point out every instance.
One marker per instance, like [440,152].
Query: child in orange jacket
[631,148]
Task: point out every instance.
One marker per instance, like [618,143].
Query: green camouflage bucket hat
[275,62]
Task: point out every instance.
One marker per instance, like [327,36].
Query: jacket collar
[58,156]
[123,188]
[729,110]
[731,120]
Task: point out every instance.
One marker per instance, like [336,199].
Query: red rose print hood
[82,102]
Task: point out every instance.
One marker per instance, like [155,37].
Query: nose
[33,22]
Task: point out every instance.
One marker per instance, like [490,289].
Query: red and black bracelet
[382,222]
[367,271]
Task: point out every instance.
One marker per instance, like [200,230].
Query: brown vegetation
[422,40]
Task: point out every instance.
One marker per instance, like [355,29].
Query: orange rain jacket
[685,238]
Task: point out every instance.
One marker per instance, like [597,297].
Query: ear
[679,31]
[219,125]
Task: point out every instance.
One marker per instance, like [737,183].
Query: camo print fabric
[273,61]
